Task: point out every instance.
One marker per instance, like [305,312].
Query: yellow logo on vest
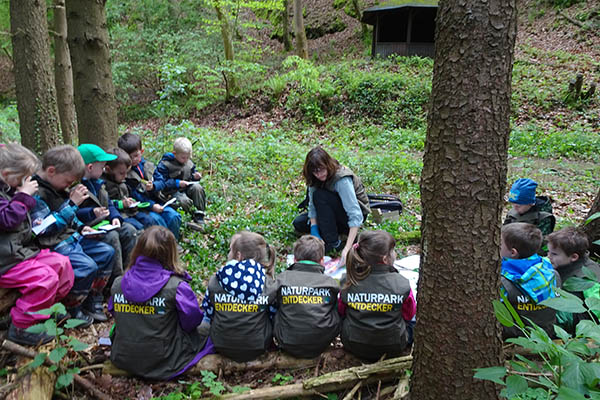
[229,303]
[305,295]
[156,305]
[375,302]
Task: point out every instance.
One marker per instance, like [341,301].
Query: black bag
[385,202]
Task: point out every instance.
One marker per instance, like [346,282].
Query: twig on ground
[352,392]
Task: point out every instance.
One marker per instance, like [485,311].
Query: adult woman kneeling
[337,202]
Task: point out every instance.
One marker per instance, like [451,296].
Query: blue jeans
[172,219]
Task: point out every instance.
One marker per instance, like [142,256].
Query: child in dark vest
[568,253]
[98,208]
[139,179]
[528,208]
[307,319]
[134,212]
[527,279]
[176,176]
[377,302]
[156,312]
[236,303]
[91,259]
[42,277]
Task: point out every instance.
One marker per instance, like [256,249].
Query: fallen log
[383,371]
[38,384]
[272,360]
[25,352]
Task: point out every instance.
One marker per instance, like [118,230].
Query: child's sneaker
[93,307]
[76,313]
[198,224]
[21,336]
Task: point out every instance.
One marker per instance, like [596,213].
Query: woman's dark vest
[374,309]
[240,330]
[359,188]
[118,191]
[54,200]
[307,319]
[16,245]
[544,317]
[148,340]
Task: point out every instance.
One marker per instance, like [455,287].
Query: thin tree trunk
[63,73]
[593,228]
[94,91]
[230,81]
[34,81]
[462,187]
[285,24]
[301,41]
[358,12]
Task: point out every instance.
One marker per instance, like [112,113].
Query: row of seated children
[528,279]
[160,331]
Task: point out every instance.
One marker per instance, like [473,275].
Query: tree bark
[301,41]
[358,12]
[34,81]
[39,385]
[94,91]
[230,81]
[63,74]
[593,228]
[285,24]
[462,187]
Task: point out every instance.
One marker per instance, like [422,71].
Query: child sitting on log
[238,296]
[42,277]
[307,319]
[156,312]
[527,279]
[568,253]
[376,301]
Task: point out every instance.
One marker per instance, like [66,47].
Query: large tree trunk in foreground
[462,188]
[593,228]
[34,81]
[63,73]
[94,91]
[285,25]
[301,41]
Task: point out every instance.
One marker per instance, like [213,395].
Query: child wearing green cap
[98,208]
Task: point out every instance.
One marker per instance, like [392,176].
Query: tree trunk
[63,73]
[230,81]
[462,188]
[593,228]
[285,24]
[301,41]
[94,91]
[358,12]
[34,82]
[39,385]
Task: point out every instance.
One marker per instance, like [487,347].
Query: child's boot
[198,224]
[77,313]
[21,336]
[92,306]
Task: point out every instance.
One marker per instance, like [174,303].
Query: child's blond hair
[182,145]
[17,161]
[251,245]
[64,159]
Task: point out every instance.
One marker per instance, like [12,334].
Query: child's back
[529,208]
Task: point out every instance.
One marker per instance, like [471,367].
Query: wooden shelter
[403,27]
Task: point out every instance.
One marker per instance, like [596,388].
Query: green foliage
[281,379]
[214,387]
[9,123]
[569,370]
[64,344]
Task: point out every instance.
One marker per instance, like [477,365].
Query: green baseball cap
[92,153]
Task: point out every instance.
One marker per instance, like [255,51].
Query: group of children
[66,242]
[161,331]
[52,250]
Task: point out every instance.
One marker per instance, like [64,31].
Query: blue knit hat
[523,191]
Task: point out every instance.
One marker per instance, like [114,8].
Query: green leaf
[561,333]
[74,370]
[38,360]
[593,303]
[518,366]
[37,328]
[57,354]
[591,374]
[515,384]
[73,323]
[58,308]
[578,348]
[588,329]
[64,380]
[45,311]
[53,368]
[576,284]
[566,393]
[240,389]
[494,374]
[532,365]
[76,345]
[502,314]
[566,302]
[591,275]
[572,375]
[596,242]
[50,325]
[592,217]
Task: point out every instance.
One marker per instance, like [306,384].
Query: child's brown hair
[309,247]
[64,159]
[370,249]
[158,243]
[523,237]
[570,240]
[122,158]
[130,142]
[17,161]
[254,246]
[317,158]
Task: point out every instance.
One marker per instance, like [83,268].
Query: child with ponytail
[236,303]
[376,300]
[42,277]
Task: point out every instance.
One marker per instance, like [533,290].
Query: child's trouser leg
[135,223]
[150,218]
[102,254]
[84,270]
[42,281]
[128,235]
[184,201]
[112,239]
[331,217]
[173,220]
[198,196]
